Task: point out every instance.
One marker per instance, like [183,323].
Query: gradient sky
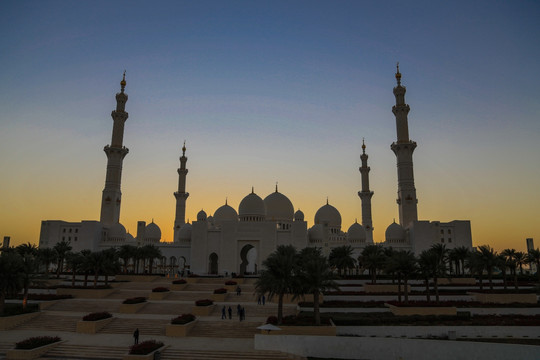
[266,92]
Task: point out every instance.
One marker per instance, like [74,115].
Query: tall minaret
[181,195]
[112,196]
[365,196]
[404,148]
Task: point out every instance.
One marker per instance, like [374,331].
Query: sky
[271,91]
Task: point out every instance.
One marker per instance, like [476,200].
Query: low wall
[384,288]
[85,293]
[303,330]
[178,287]
[158,295]
[179,330]
[287,299]
[32,353]
[219,297]
[505,298]
[149,356]
[202,310]
[131,308]
[387,348]
[9,322]
[428,310]
[456,281]
[137,278]
[91,327]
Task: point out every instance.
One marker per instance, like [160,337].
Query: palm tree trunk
[85,278]
[504,279]
[428,297]
[2,302]
[25,297]
[405,280]
[373,276]
[515,279]
[280,308]
[73,279]
[316,311]
[150,265]
[436,286]
[480,280]
[95,278]
[399,288]
[490,279]
[106,279]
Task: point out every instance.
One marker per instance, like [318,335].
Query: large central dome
[225,213]
[328,215]
[278,207]
[252,208]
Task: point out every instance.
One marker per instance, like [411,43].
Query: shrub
[220,291]
[230,282]
[204,302]
[272,320]
[97,316]
[146,347]
[179,281]
[183,319]
[35,342]
[17,309]
[160,289]
[135,300]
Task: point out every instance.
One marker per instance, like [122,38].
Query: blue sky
[267,91]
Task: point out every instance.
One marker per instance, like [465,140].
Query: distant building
[238,241]
[530,244]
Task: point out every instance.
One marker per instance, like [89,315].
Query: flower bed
[35,342]
[183,319]
[97,316]
[159,293]
[231,282]
[203,307]
[204,302]
[179,281]
[134,300]
[145,348]
[409,310]
[160,289]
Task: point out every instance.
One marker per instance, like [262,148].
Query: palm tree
[403,264]
[489,259]
[502,264]
[341,258]
[95,262]
[86,265]
[476,266]
[510,255]
[126,253]
[75,262]
[47,256]
[62,248]
[440,253]
[151,252]
[277,276]
[373,259]
[28,253]
[111,265]
[11,275]
[315,277]
[534,258]
[521,259]
[461,253]
[428,264]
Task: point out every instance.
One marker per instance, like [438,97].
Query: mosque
[238,241]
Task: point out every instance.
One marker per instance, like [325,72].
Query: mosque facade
[230,241]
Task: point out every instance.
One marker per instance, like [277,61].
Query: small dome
[316,233]
[225,213]
[356,233]
[153,232]
[201,216]
[299,216]
[185,232]
[328,215]
[117,232]
[278,207]
[394,232]
[252,208]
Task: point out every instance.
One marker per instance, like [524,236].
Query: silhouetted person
[223,316]
[259,300]
[136,336]
[230,313]
[238,307]
[263,299]
[238,291]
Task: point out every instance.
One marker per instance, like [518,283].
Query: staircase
[167,308]
[66,351]
[51,323]
[225,329]
[174,354]
[85,305]
[127,326]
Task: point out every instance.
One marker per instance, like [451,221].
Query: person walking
[223,316]
[259,300]
[263,299]
[136,336]
[238,307]
[230,313]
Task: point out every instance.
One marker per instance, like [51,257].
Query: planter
[149,356]
[9,322]
[384,288]
[137,278]
[178,287]
[174,330]
[230,288]
[131,308]
[85,293]
[416,310]
[92,327]
[203,310]
[219,297]
[192,280]
[158,295]
[505,298]
[456,281]
[32,353]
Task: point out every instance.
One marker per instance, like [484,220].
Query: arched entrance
[248,256]
[213,264]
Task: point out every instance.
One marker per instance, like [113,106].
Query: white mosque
[238,241]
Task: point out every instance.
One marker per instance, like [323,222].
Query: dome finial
[363,146]
[123,82]
[398,75]
[226,198]
[327,200]
[356,220]
[276,186]
[253,190]
[184,148]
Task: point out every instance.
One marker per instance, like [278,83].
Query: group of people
[261,300]
[240,312]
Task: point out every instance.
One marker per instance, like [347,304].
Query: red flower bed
[35,342]
[230,282]
[146,347]
[179,281]
[97,316]
[183,319]
[220,291]
[135,300]
[204,302]
[160,289]
[271,320]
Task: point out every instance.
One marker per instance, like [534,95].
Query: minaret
[181,195]
[112,196]
[404,148]
[365,196]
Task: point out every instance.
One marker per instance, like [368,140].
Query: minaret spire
[366,195]
[112,195]
[181,195]
[403,148]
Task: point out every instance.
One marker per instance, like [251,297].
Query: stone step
[127,326]
[51,323]
[225,329]
[126,294]
[5,346]
[67,351]
[188,296]
[85,305]
[174,354]
[166,308]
